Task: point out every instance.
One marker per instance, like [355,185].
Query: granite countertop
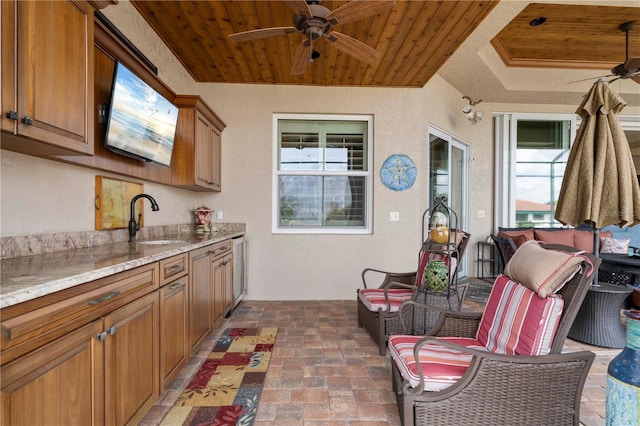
[28,277]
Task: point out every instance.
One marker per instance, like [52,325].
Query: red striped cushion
[518,321]
[441,366]
[373,298]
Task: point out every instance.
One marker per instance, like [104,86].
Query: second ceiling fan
[316,22]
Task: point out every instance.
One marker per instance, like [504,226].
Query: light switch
[219,214]
[394,216]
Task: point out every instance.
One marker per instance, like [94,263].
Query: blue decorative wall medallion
[398,172]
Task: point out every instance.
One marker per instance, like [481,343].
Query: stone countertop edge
[22,280]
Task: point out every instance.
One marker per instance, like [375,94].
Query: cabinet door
[132,360]
[218,270]
[174,346]
[228,283]
[223,286]
[8,74]
[61,383]
[204,151]
[216,159]
[54,79]
[200,297]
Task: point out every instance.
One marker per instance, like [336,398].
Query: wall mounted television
[142,122]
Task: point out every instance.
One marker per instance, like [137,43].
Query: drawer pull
[176,286]
[175,268]
[220,250]
[102,336]
[104,298]
[111,330]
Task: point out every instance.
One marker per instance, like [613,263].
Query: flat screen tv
[142,122]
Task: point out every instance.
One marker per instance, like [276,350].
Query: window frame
[505,140]
[367,174]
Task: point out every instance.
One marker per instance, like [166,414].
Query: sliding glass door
[448,176]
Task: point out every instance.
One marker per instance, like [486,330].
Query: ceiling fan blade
[591,79]
[358,9]
[300,60]
[632,64]
[300,7]
[261,33]
[353,47]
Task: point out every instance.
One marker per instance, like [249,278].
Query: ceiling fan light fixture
[537,21]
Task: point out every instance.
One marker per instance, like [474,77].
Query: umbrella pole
[596,251]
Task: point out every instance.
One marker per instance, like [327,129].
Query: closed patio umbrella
[600,186]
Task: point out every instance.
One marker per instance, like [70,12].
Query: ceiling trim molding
[511,61]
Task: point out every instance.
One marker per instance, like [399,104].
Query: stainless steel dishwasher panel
[239,269]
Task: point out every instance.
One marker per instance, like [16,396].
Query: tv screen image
[142,122]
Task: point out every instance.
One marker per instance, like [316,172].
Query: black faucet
[134,226]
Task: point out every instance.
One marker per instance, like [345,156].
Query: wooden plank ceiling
[414,39]
[584,37]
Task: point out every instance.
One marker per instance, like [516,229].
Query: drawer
[220,249]
[173,267]
[31,324]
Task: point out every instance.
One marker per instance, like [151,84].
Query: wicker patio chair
[378,307]
[495,388]
[506,248]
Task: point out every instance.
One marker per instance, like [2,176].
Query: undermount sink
[161,242]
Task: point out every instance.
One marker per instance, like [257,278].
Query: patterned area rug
[226,388]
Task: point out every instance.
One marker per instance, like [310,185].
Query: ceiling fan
[630,68]
[315,21]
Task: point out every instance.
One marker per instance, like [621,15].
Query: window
[533,151]
[322,182]
[531,154]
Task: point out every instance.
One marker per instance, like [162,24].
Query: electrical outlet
[480,213]
[394,216]
[219,214]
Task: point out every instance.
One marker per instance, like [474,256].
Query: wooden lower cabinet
[101,353]
[103,373]
[174,342]
[200,297]
[131,361]
[61,383]
[222,269]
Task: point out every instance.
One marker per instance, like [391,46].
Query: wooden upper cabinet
[197,152]
[47,76]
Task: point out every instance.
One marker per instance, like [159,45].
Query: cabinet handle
[12,115]
[220,250]
[102,336]
[27,120]
[104,298]
[175,268]
[111,330]
[176,286]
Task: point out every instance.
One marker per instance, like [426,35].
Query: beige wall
[44,196]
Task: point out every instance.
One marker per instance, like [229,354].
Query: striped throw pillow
[518,321]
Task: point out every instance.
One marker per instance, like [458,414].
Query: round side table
[598,320]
